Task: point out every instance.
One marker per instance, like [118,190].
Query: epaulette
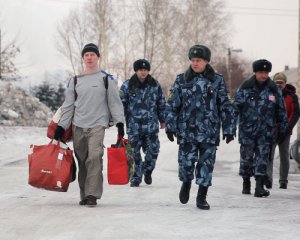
[181,77]
[219,74]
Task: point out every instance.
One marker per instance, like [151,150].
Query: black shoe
[148,178]
[259,189]
[261,193]
[246,185]
[202,203]
[91,201]
[184,193]
[268,183]
[134,184]
[201,198]
[283,185]
[83,202]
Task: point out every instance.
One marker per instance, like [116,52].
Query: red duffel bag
[67,136]
[117,166]
[50,166]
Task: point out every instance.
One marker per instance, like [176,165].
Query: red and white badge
[272,98]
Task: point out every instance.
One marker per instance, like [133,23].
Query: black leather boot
[201,198]
[148,178]
[246,185]
[283,185]
[184,194]
[268,182]
[259,188]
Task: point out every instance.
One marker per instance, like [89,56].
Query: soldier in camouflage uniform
[260,110]
[144,107]
[197,107]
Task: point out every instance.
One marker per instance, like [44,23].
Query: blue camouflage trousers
[150,145]
[201,154]
[253,159]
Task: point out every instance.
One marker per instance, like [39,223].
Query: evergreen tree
[59,96]
[46,94]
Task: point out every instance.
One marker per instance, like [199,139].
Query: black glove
[59,132]
[280,138]
[171,136]
[120,127]
[229,137]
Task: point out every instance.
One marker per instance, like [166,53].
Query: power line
[265,9]
[280,12]
[264,14]
[0,56]
[67,1]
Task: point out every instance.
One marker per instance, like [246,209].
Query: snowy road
[147,212]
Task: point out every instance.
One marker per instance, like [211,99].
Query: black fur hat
[90,47]
[141,64]
[262,65]
[200,51]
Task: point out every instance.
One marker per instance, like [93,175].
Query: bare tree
[161,31]
[125,46]
[72,33]
[157,21]
[100,26]
[203,22]
[9,51]
[89,24]
[240,70]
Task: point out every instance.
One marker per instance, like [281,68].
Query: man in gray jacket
[88,106]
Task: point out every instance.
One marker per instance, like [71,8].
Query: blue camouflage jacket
[260,110]
[144,105]
[197,107]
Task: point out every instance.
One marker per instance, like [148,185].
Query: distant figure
[260,110]
[88,107]
[197,107]
[144,108]
[283,141]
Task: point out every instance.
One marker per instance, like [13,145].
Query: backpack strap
[75,82]
[105,79]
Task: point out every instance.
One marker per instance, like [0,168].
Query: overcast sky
[262,29]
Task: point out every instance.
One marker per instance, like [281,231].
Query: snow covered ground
[147,212]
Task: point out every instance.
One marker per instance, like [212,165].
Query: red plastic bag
[53,125]
[50,166]
[117,169]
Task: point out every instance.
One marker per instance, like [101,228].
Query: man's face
[90,59]
[281,83]
[198,65]
[261,76]
[142,74]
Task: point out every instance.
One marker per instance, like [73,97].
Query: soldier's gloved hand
[171,136]
[229,137]
[120,127]
[59,132]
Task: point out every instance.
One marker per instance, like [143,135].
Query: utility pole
[298,82]
[0,57]
[230,50]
